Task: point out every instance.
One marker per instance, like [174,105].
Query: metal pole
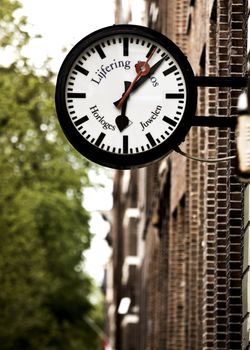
[234,82]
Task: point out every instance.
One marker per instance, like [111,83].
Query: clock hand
[152,71]
[142,69]
[144,78]
[122,120]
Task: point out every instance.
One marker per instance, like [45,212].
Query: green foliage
[44,295]
[12,32]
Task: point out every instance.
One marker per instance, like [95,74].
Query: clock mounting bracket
[213,81]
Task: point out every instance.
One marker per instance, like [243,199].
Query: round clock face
[125,96]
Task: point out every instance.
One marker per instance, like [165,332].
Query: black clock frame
[126,161]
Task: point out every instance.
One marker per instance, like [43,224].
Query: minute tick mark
[151,139]
[76,95]
[174,96]
[125,144]
[169,121]
[100,139]
[81,70]
[152,48]
[125,47]
[169,70]
[81,120]
[100,51]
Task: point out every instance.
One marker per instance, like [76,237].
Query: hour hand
[122,120]
[127,85]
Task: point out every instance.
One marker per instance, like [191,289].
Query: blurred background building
[177,278]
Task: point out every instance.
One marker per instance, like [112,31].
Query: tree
[44,295]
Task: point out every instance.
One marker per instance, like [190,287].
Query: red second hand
[144,69]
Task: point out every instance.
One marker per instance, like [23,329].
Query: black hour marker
[125,47]
[174,95]
[76,95]
[100,51]
[153,47]
[100,138]
[151,139]
[169,70]
[125,144]
[169,121]
[81,120]
[81,70]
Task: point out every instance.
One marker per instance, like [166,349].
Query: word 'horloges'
[104,70]
[100,119]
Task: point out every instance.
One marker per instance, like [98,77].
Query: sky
[62,23]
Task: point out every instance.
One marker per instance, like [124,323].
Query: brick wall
[246,280]
[246,259]
[190,229]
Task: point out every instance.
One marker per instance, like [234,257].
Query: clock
[125,96]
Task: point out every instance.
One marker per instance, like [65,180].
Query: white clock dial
[124,94]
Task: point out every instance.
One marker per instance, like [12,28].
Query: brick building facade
[178,228]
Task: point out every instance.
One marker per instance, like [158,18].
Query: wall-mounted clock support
[218,121]
[233,82]
[215,121]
